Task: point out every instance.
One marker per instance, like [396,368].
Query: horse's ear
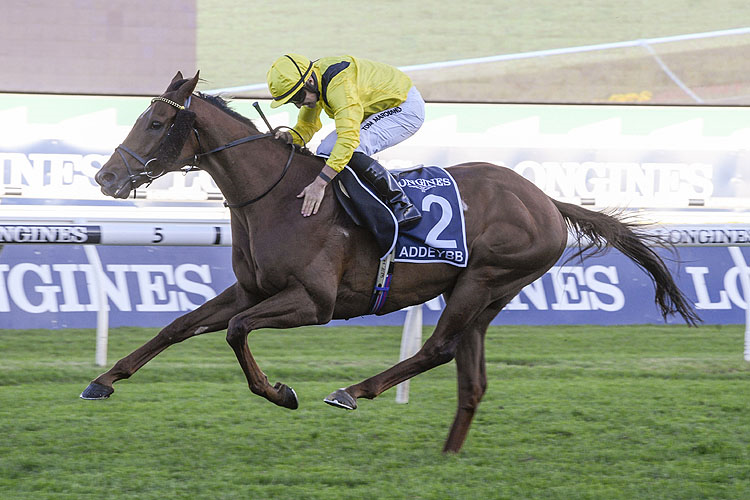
[177,78]
[188,87]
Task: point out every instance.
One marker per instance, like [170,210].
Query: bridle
[184,115]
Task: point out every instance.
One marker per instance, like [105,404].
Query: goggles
[299,97]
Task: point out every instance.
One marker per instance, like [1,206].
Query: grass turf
[237,41]
[571,412]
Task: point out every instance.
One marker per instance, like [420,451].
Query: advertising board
[692,162]
[52,286]
[52,146]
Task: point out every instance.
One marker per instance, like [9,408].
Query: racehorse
[293,270]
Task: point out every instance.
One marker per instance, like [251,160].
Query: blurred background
[566,51]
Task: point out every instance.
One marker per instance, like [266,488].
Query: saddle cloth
[440,236]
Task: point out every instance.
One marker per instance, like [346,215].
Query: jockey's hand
[313,196]
[314,192]
[284,135]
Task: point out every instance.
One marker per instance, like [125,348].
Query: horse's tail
[597,231]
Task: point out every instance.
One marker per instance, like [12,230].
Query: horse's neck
[246,171]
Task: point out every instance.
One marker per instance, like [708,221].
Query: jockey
[373,105]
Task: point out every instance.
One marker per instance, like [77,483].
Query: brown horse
[294,271]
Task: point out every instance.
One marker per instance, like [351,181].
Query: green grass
[238,40]
[571,412]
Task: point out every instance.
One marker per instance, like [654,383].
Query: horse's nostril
[105,178]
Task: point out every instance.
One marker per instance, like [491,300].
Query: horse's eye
[156,125]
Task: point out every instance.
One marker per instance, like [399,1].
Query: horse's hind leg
[459,333]
[472,378]
[212,316]
[470,297]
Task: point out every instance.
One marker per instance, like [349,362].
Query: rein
[183,115]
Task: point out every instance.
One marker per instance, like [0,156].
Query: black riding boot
[387,188]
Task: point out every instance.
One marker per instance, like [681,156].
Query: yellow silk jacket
[351,89]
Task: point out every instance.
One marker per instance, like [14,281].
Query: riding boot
[387,188]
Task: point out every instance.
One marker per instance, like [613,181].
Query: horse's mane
[223,105]
[216,101]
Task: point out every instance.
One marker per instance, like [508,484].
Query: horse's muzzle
[111,184]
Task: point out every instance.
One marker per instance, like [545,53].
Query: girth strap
[382,283]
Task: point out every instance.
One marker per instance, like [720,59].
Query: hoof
[341,399]
[288,396]
[96,391]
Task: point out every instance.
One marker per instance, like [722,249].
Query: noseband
[172,145]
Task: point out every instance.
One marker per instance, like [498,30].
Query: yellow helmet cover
[286,76]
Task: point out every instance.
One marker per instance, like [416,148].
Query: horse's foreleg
[212,316]
[288,309]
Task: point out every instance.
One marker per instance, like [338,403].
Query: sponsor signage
[706,235]
[51,147]
[686,157]
[119,233]
[611,155]
[35,234]
[52,286]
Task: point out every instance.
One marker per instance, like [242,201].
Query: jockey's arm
[348,114]
[308,123]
